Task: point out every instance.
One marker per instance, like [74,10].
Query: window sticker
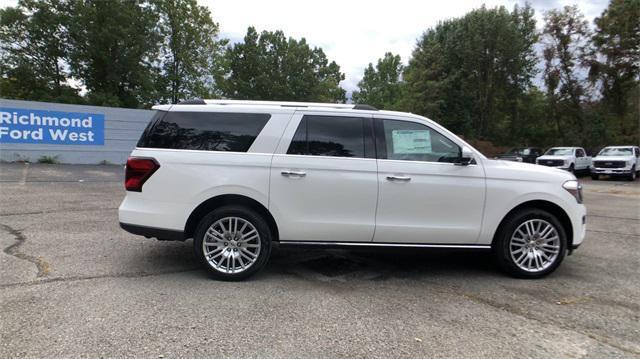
[411,141]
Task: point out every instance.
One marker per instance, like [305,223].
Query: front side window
[411,141]
[329,136]
[206,131]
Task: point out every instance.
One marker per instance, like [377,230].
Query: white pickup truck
[617,161]
[572,159]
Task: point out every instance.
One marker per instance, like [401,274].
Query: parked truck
[617,161]
[572,159]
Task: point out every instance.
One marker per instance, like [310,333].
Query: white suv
[241,176]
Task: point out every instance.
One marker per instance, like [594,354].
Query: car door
[424,197]
[582,161]
[324,183]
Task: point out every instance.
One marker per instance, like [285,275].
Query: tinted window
[207,131]
[579,153]
[410,141]
[329,136]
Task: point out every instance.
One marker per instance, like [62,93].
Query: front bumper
[610,171]
[562,167]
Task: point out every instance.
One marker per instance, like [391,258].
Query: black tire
[572,169]
[501,245]
[595,177]
[632,176]
[248,215]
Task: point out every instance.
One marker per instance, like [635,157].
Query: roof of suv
[271,105]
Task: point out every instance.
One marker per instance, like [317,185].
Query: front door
[424,196]
[324,179]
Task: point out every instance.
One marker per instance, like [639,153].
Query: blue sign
[19,125]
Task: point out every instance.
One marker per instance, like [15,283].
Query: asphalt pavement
[73,284]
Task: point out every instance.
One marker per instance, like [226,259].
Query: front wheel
[232,242]
[572,168]
[595,176]
[531,244]
[633,174]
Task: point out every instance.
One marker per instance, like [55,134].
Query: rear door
[324,183]
[424,197]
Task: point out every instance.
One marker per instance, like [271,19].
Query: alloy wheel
[534,245]
[231,245]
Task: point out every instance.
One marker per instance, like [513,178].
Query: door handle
[293,173]
[398,178]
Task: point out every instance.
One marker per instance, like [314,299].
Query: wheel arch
[548,206]
[228,199]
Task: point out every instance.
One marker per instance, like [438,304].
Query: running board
[391,245]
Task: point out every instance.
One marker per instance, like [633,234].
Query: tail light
[138,171]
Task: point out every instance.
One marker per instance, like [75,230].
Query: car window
[559,152]
[616,151]
[526,152]
[637,152]
[579,153]
[329,136]
[411,141]
[207,131]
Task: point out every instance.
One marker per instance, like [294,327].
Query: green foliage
[566,36]
[268,66]
[52,160]
[191,53]
[382,86]
[34,48]
[473,73]
[616,70]
[114,45]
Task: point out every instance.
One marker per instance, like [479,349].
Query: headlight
[575,188]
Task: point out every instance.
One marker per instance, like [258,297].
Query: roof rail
[362,106]
[290,104]
[193,101]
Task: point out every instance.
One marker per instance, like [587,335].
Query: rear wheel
[232,242]
[531,244]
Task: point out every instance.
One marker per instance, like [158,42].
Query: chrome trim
[378,244]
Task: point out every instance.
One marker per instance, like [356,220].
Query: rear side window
[333,136]
[205,131]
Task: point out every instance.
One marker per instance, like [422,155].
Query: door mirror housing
[466,157]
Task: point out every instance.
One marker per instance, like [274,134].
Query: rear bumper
[152,232]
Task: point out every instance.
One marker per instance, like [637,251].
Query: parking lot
[74,284]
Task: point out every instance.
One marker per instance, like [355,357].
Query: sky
[355,33]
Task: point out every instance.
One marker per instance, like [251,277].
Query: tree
[34,47]
[382,86]
[114,47]
[268,66]
[190,53]
[566,37]
[473,73]
[615,67]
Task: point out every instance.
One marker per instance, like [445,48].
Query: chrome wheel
[231,245]
[534,245]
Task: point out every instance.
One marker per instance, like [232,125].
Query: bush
[48,159]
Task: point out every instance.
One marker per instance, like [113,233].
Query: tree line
[489,75]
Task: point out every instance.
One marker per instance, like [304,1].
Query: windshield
[611,151]
[559,152]
[519,151]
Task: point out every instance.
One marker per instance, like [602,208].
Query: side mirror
[466,157]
